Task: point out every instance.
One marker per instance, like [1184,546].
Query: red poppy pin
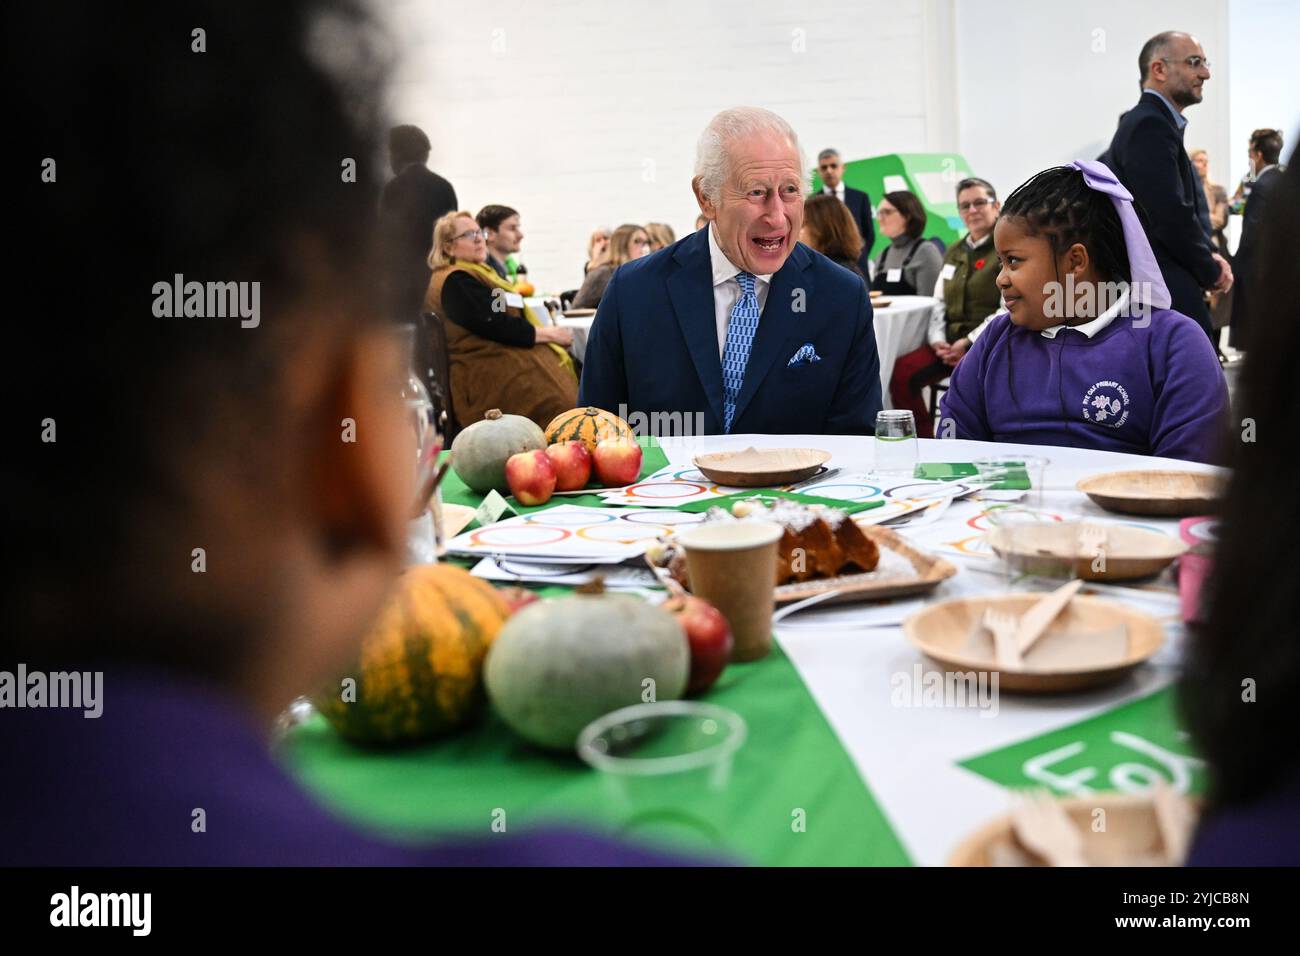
[979,263]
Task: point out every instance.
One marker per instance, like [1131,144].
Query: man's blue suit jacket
[653,347]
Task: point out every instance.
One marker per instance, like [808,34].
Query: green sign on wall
[931,177]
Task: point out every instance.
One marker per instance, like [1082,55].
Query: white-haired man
[739,326]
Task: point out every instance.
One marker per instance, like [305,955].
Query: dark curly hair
[220,155]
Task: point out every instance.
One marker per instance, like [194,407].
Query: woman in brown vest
[501,354]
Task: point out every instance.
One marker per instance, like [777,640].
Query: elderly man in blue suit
[739,326]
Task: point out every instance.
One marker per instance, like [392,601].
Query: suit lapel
[690,288]
[778,324]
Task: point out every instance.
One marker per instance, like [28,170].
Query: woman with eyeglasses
[967,286]
[628,242]
[502,354]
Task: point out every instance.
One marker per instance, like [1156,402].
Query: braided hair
[1058,204]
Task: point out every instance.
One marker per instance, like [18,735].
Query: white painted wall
[1265,87]
[585,112]
[1054,78]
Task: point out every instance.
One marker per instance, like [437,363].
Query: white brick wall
[582,113]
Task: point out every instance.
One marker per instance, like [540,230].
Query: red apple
[618,462]
[572,464]
[708,635]
[518,598]
[531,477]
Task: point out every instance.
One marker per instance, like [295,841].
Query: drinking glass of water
[896,445]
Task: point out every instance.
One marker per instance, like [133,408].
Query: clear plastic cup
[998,469]
[896,445]
[666,767]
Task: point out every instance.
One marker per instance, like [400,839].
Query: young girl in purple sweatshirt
[1088,354]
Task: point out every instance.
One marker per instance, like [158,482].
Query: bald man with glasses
[1148,156]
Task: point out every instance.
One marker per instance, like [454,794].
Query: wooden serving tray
[894,579]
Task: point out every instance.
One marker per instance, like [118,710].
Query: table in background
[581,325]
[901,327]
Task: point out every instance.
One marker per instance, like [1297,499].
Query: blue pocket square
[805,356]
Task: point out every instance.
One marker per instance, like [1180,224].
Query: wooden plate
[1168,493]
[877,293]
[769,467]
[881,303]
[1131,837]
[578,313]
[940,631]
[1050,548]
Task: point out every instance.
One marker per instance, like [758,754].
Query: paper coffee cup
[732,565]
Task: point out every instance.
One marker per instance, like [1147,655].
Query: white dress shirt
[837,192]
[1094,326]
[726,290]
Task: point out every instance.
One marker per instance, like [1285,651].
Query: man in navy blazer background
[1148,156]
[738,323]
[831,170]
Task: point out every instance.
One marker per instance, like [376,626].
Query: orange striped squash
[419,674]
[588,425]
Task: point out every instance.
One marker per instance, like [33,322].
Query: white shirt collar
[837,192]
[1096,325]
[723,269]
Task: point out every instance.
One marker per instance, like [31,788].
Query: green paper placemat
[1017,479]
[768,494]
[456,492]
[1126,749]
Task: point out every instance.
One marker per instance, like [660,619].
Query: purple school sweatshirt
[121,790]
[1143,388]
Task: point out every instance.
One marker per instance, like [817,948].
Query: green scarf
[486,274]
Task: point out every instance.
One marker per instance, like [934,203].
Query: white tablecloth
[900,328]
[581,326]
[847,655]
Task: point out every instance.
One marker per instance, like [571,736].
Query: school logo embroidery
[1106,403]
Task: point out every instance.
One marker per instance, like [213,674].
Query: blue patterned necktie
[740,338]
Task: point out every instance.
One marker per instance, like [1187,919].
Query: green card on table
[1017,478]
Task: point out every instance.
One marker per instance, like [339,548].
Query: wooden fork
[1002,624]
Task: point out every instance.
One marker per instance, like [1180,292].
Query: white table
[901,327]
[847,655]
[581,326]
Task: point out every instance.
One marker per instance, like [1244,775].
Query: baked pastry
[816,542]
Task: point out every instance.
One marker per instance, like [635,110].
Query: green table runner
[795,797]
